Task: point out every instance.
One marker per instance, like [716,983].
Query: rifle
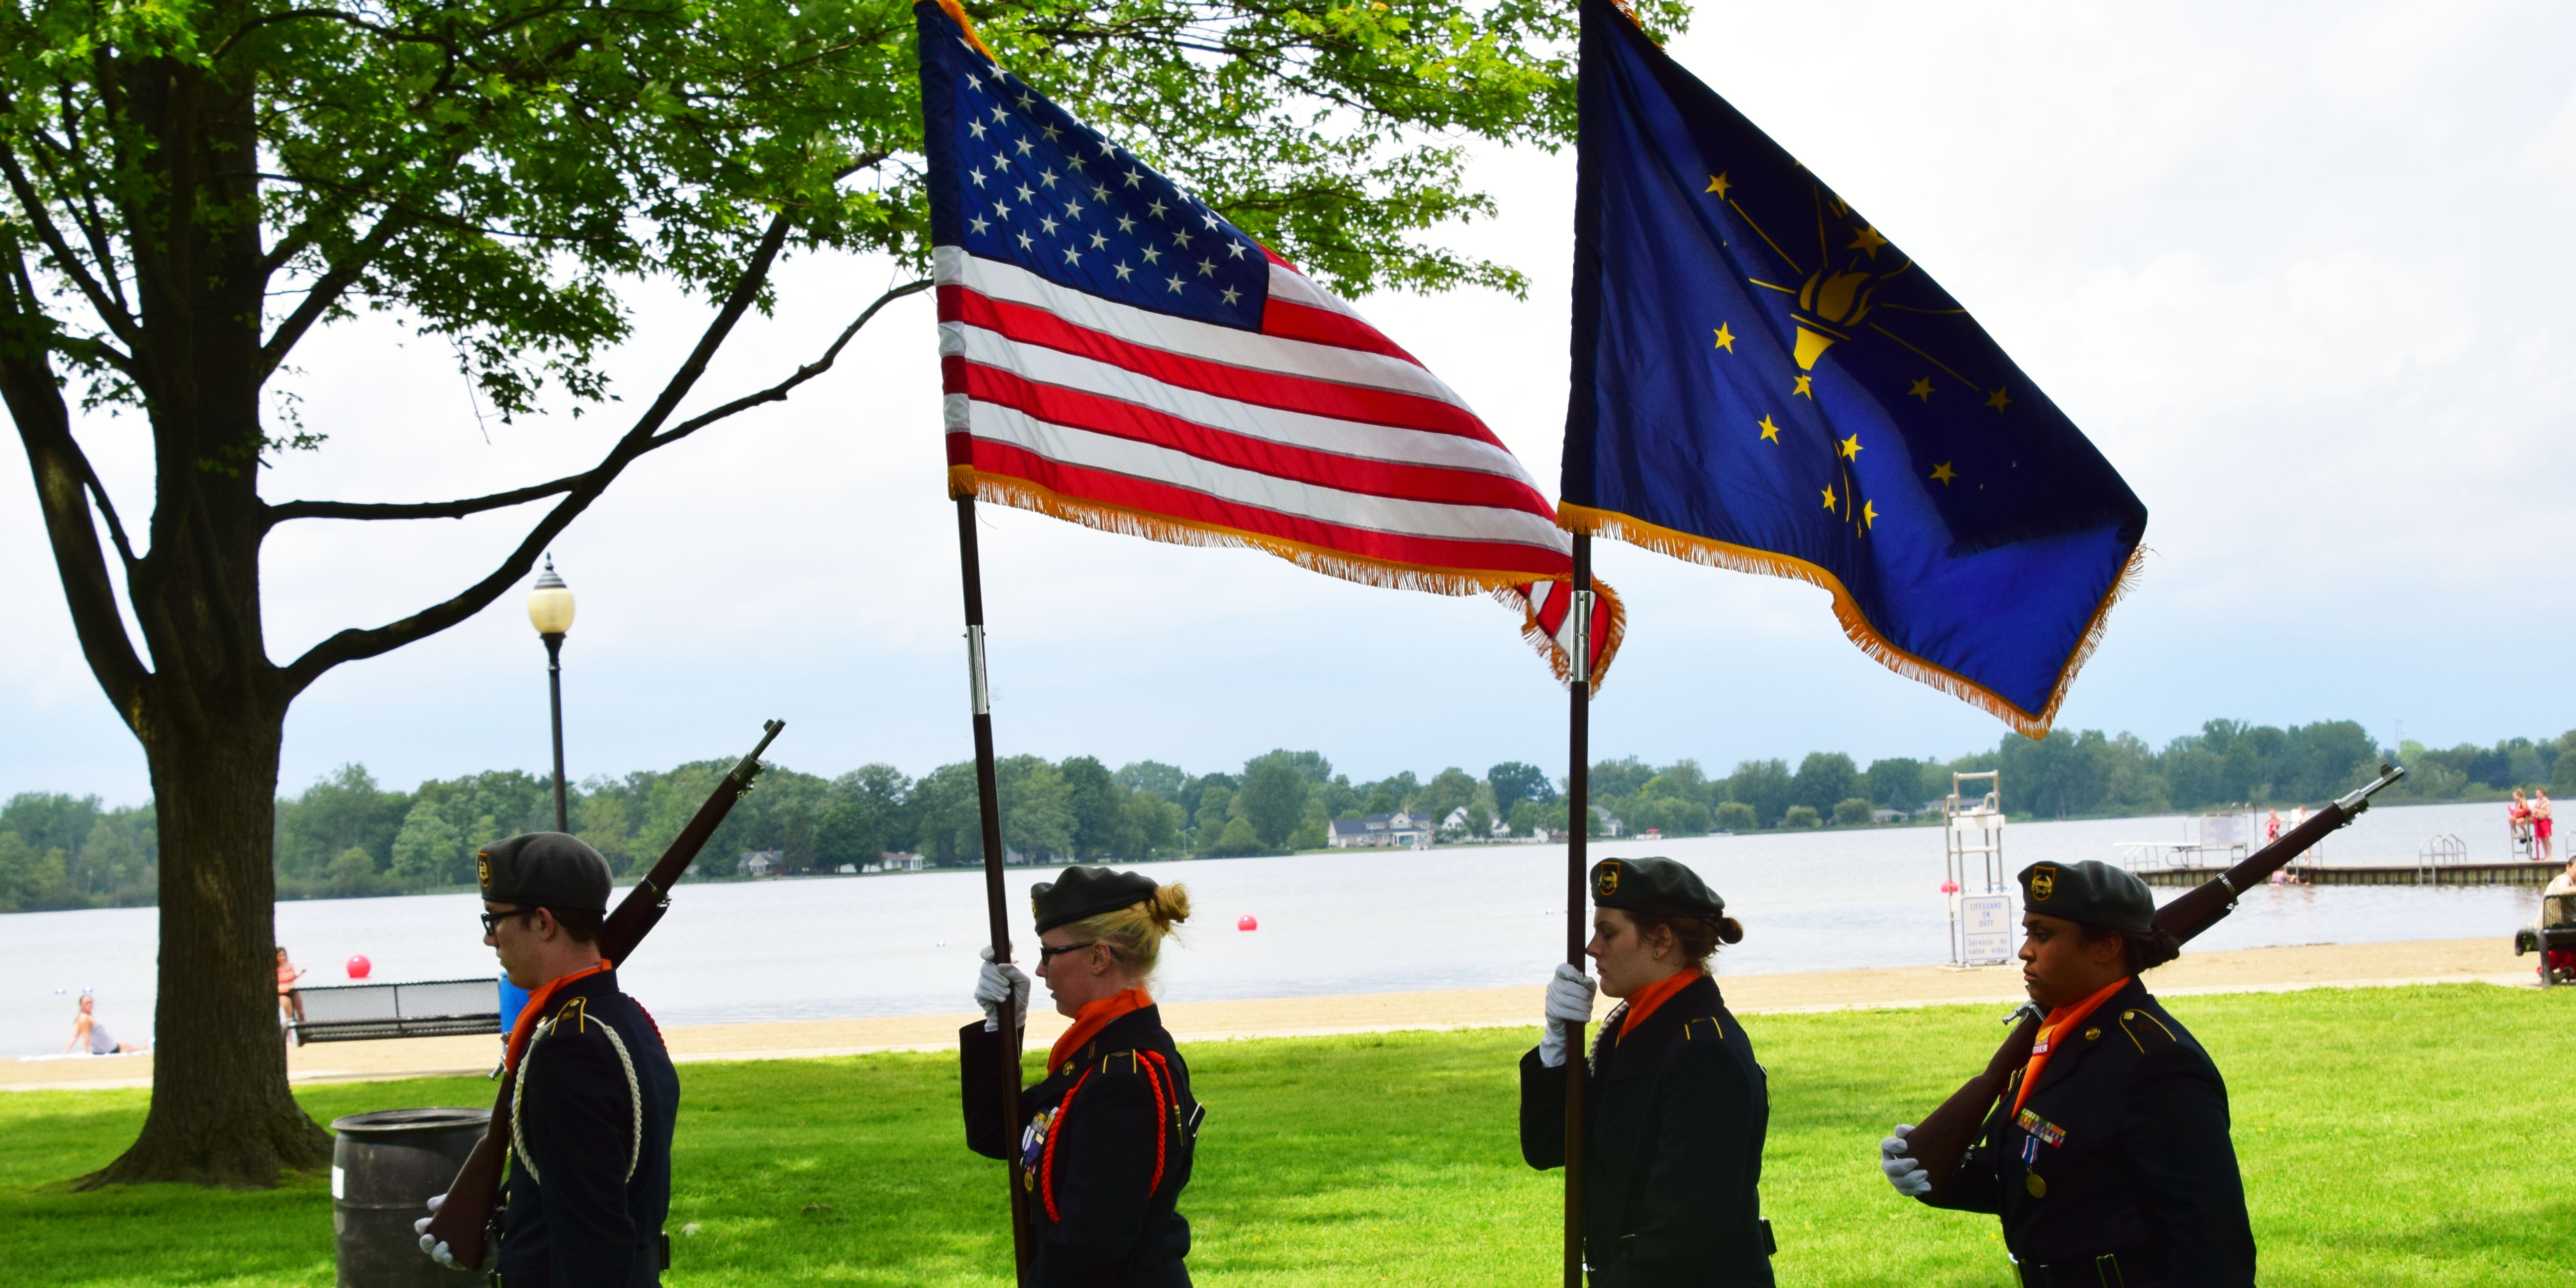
[464,1220]
[1942,1140]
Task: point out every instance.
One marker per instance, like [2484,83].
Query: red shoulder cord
[1157,1076]
[1055,1132]
[648,1019]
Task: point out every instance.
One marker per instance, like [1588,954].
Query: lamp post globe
[550,602]
[550,611]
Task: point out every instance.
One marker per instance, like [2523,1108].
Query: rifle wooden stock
[463,1219]
[1943,1138]
[1940,1142]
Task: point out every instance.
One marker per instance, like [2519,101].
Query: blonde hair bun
[1137,930]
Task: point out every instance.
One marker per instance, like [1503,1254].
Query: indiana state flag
[1764,381]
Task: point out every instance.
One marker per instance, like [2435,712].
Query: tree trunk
[221,1110]
[212,712]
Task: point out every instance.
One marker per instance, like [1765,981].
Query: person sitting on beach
[92,1037]
[2540,824]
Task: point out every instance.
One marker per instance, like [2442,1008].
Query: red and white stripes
[1316,438]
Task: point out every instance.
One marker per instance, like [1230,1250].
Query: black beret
[1654,885]
[543,870]
[1087,892]
[2092,892]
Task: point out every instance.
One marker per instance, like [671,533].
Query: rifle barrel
[2205,904]
[643,905]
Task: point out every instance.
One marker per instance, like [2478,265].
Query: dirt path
[2488,960]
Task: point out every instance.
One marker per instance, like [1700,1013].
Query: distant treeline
[345,835]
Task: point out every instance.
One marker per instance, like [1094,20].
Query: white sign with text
[1986,923]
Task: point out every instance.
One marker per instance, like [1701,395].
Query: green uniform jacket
[2122,1150]
[1674,1115]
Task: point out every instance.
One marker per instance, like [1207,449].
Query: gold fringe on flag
[1018,493]
[957,13]
[1692,548]
[1612,620]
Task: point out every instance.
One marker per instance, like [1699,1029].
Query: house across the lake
[1401,828]
[1457,822]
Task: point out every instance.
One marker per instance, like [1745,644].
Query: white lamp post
[550,611]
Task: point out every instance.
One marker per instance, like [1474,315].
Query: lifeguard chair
[1982,926]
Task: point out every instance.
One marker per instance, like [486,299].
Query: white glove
[433,1245]
[1904,1173]
[1569,1003]
[997,983]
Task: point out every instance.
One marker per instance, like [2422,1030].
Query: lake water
[1349,922]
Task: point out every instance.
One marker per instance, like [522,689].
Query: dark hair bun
[1730,930]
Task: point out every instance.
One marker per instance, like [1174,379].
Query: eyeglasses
[492,920]
[1046,954]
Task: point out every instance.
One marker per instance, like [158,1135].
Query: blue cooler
[514,999]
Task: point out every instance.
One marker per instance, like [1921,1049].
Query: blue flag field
[1763,380]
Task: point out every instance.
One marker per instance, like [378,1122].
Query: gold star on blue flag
[1971,536]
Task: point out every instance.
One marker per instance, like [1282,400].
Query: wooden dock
[2522,873]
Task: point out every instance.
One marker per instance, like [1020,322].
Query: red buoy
[359,966]
[1949,887]
[1247,922]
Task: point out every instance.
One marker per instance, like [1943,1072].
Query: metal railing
[2439,850]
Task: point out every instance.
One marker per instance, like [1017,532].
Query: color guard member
[590,1133]
[2108,1155]
[1106,1146]
[1674,1106]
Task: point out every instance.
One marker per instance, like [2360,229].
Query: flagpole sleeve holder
[980,691]
[1583,636]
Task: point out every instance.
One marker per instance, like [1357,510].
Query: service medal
[1033,1140]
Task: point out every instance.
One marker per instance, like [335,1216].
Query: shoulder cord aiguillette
[634,1100]
[518,1087]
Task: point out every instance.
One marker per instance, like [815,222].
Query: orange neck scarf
[2062,1020]
[1088,1023]
[535,1009]
[1643,1002]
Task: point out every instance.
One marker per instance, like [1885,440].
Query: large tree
[193,187]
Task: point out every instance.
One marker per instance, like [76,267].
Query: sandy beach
[2445,961]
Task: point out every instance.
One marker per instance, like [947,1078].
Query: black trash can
[384,1168]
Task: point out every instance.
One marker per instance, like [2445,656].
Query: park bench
[429,1009]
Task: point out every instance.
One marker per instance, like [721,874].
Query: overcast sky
[2297,269]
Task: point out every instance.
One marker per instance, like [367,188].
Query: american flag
[1117,354]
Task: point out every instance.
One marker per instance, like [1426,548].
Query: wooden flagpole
[1578,829]
[989,804]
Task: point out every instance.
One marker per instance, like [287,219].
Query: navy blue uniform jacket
[586,1196]
[2126,1132]
[1102,1150]
[1675,1113]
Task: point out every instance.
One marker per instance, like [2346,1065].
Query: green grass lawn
[2388,1136]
